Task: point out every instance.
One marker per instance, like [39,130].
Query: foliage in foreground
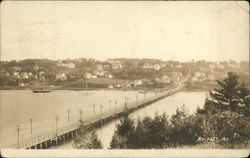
[224,120]
[84,141]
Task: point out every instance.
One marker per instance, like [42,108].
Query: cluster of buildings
[67,65]
[202,76]
[17,73]
[151,66]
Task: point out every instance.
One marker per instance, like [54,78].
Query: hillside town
[115,73]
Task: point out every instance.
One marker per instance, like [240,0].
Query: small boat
[41,91]
[142,91]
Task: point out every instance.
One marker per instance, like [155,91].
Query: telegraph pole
[68,115]
[57,118]
[144,98]
[136,99]
[80,115]
[101,110]
[18,133]
[31,126]
[109,104]
[115,106]
[125,102]
[93,108]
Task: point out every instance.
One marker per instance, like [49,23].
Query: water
[19,106]
[192,100]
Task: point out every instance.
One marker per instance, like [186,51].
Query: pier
[69,132]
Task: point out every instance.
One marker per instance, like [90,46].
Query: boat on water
[141,91]
[41,91]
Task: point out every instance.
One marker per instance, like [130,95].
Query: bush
[229,129]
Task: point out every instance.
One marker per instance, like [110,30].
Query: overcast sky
[164,30]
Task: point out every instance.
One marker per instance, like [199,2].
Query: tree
[124,133]
[94,143]
[85,141]
[229,96]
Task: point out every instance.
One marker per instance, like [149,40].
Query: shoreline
[89,89]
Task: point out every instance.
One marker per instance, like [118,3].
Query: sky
[171,30]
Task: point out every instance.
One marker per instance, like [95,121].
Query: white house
[87,75]
[156,66]
[68,65]
[165,79]
[16,68]
[99,67]
[137,82]
[16,75]
[21,84]
[24,75]
[41,73]
[61,76]
[116,66]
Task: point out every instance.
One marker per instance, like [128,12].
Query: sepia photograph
[124,79]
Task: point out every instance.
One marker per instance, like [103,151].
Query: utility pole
[18,133]
[57,118]
[93,108]
[136,99]
[115,106]
[68,115]
[144,98]
[31,126]
[110,104]
[80,115]
[125,102]
[101,110]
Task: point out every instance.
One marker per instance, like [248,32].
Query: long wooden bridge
[66,133]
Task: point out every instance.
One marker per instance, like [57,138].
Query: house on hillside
[116,65]
[61,76]
[7,74]
[16,68]
[99,67]
[30,74]
[99,73]
[165,79]
[108,76]
[21,84]
[87,75]
[41,73]
[212,66]
[36,67]
[68,65]
[16,75]
[146,66]
[24,75]
[176,76]
[211,77]
[156,67]
[106,66]
[137,83]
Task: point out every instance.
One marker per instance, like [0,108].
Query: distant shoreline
[89,89]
